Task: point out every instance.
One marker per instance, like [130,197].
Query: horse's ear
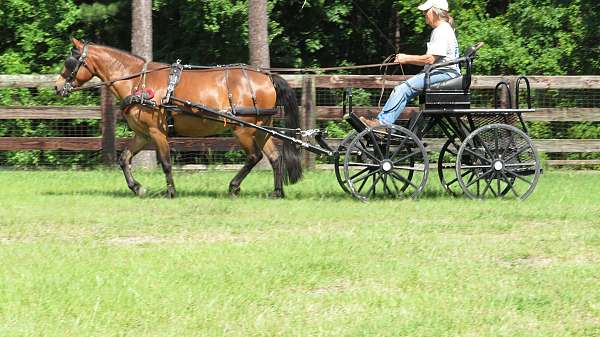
[78,44]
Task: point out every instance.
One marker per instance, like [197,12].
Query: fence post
[109,124]
[309,113]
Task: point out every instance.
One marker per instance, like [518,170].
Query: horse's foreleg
[163,154]
[265,142]
[245,137]
[135,146]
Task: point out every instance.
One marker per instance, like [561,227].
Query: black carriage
[487,152]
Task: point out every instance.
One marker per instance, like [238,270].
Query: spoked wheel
[498,160]
[339,157]
[387,161]
[446,167]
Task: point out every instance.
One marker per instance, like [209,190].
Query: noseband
[70,80]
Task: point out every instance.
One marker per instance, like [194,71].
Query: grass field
[80,256]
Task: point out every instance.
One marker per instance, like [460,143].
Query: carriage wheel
[498,160]
[388,161]
[338,158]
[446,167]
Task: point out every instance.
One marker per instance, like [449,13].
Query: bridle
[75,63]
[70,79]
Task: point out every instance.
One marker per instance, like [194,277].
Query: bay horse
[124,73]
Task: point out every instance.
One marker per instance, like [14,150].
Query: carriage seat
[454,93]
[453,84]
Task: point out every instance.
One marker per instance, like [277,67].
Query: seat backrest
[466,61]
[454,93]
[471,51]
[468,57]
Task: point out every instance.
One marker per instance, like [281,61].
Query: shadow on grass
[216,194]
[245,194]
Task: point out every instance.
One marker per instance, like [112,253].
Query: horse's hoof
[138,190]
[141,192]
[277,195]
[234,191]
[170,194]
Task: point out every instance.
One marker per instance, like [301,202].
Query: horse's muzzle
[61,87]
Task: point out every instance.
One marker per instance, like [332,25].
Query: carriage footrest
[355,122]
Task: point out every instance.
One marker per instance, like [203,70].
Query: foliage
[547,37]
[34,34]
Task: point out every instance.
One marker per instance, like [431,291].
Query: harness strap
[245,72]
[229,93]
[174,77]
[142,80]
[137,99]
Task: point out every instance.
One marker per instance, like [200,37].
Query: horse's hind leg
[266,143]
[245,137]
[136,145]
[163,154]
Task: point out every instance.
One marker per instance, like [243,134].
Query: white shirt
[443,43]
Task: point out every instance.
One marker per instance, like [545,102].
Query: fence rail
[107,112]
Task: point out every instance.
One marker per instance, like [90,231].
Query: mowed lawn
[81,256]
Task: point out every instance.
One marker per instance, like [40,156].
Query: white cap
[441,4]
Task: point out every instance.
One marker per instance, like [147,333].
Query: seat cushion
[453,84]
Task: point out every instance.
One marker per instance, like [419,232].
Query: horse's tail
[286,97]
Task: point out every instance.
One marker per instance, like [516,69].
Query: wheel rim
[387,161]
[338,163]
[446,167]
[498,160]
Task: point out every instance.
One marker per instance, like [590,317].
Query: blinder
[72,65]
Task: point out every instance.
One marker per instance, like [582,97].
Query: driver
[442,47]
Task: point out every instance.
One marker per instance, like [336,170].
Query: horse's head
[76,70]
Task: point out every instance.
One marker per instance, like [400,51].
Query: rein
[297,70]
[316,70]
[127,77]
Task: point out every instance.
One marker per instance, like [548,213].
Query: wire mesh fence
[25,115]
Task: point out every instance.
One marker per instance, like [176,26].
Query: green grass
[81,256]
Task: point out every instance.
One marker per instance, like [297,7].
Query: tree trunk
[141,44]
[258,20]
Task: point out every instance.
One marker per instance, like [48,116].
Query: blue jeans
[404,92]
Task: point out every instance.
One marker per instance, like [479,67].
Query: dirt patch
[208,238]
[532,261]
[135,240]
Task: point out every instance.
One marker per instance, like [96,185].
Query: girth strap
[137,99]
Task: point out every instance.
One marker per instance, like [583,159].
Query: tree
[141,44]
[258,39]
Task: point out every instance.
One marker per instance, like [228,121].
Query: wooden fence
[108,113]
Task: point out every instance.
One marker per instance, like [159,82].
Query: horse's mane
[120,51]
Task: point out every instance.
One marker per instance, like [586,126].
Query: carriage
[486,153]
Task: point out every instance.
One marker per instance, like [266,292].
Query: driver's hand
[401,58]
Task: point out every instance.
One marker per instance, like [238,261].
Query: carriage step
[528,172]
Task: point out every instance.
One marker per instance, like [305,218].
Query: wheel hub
[498,165]
[387,166]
